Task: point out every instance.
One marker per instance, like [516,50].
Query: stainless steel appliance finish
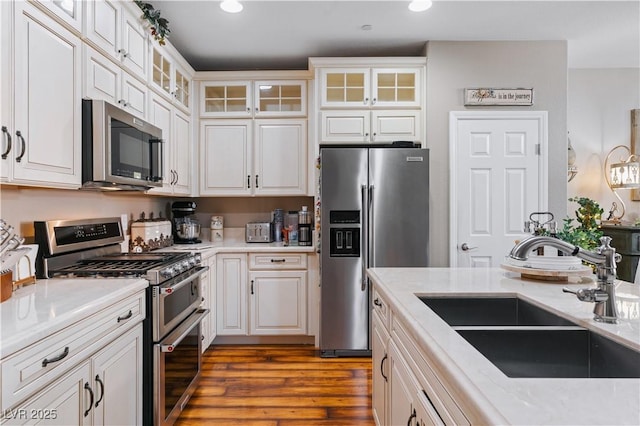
[258,232]
[186,228]
[171,328]
[375,213]
[119,150]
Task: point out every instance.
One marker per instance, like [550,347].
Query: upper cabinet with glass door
[264,98]
[370,87]
[225,99]
[280,98]
[169,78]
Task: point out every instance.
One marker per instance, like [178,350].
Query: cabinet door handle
[251,286]
[23,145]
[123,53]
[382,367]
[87,387]
[366,101]
[248,181]
[125,317]
[249,110]
[412,416]
[177,177]
[7,136]
[373,101]
[256,181]
[377,302]
[101,383]
[56,358]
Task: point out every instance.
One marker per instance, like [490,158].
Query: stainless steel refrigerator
[374,213]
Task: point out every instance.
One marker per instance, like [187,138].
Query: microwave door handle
[170,342]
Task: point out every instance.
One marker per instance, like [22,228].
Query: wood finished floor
[279,385]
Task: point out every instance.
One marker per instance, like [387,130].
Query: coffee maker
[186,228]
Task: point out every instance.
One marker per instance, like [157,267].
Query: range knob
[167,272]
[185,265]
[192,261]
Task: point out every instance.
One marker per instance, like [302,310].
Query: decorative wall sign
[487,96]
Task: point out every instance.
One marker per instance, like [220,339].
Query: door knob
[465,247]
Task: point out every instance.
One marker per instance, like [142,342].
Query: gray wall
[453,66]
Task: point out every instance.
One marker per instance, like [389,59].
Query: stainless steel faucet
[604,258]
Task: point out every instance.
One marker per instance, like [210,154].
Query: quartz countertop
[46,307]
[483,386]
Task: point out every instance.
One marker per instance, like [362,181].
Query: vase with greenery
[586,232]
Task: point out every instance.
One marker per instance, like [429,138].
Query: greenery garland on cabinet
[158,26]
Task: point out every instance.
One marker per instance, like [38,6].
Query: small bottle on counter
[291,224]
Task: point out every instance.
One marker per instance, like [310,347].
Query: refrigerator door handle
[365,238]
[371,237]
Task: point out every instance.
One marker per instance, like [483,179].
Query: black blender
[186,228]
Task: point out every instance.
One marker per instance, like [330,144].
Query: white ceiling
[272,34]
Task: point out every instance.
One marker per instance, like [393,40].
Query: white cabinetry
[370,100]
[272,302]
[208,324]
[253,157]
[88,373]
[278,293]
[245,99]
[115,27]
[169,77]
[231,294]
[406,389]
[105,80]
[176,136]
[70,12]
[41,112]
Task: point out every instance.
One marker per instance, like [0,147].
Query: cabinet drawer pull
[125,317]
[8,137]
[56,358]
[278,260]
[101,383]
[87,387]
[23,144]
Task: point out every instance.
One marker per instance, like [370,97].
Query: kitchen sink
[504,311]
[554,352]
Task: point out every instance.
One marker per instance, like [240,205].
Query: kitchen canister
[217,229]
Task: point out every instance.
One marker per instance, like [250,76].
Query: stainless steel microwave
[119,151]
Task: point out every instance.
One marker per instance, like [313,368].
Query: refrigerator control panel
[345,242]
[344,216]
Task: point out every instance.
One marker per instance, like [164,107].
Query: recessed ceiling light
[420,5]
[231,6]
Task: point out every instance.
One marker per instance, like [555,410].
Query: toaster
[258,232]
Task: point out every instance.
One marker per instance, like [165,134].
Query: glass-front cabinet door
[182,87]
[161,75]
[280,98]
[345,87]
[396,87]
[225,99]
[69,11]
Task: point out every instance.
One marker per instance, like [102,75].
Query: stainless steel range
[171,329]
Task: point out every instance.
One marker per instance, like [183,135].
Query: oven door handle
[170,342]
[199,271]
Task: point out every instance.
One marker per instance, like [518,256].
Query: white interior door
[498,177]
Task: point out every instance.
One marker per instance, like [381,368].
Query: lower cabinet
[208,283]
[406,390]
[268,297]
[105,389]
